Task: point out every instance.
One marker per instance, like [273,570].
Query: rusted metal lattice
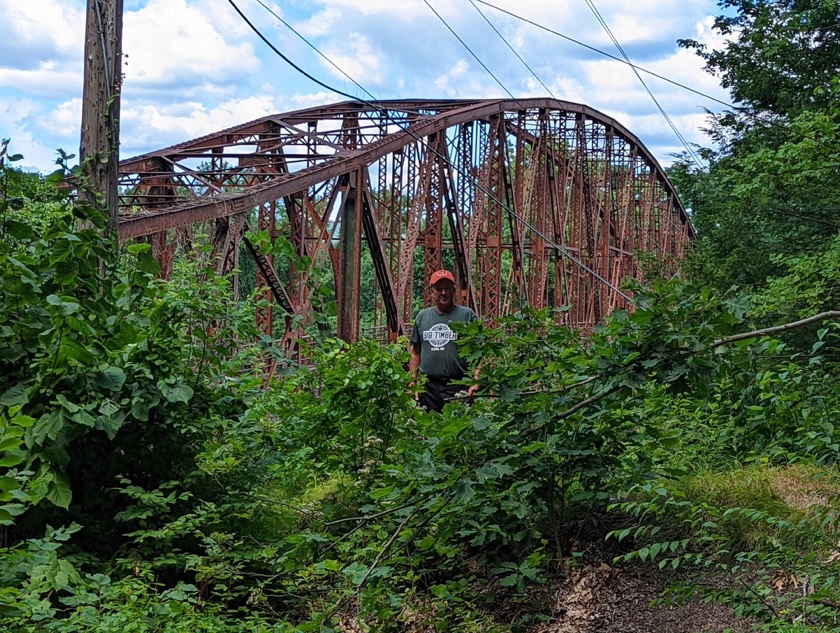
[533,201]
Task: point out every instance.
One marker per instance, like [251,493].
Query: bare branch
[822,316]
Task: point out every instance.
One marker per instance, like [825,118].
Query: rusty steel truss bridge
[536,202]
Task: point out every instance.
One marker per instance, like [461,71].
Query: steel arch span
[536,202]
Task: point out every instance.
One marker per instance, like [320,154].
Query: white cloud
[36,30]
[194,67]
[44,81]
[320,24]
[170,42]
[357,57]
[404,9]
[151,126]
[63,121]
[31,129]
[442,83]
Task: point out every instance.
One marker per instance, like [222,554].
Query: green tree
[773,185]
[777,56]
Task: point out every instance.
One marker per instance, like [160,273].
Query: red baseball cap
[440,275]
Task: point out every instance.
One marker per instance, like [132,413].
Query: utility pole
[100,138]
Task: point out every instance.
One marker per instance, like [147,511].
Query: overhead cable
[603,22]
[409,131]
[605,54]
[464,44]
[512,49]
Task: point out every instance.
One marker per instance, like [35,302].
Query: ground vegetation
[674,470]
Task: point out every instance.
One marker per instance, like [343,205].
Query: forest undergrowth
[153,481]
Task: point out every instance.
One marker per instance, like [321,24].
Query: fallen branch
[528,392]
[368,517]
[283,504]
[573,409]
[785,327]
[776,329]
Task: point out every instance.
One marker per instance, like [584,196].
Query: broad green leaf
[180,392]
[509,581]
[8,483]
[108,407]
[48,426]
[59,491]
[23,421]
[140,410]
[13,458]
[18,264]
[464,491]
[9,511]
[74,350]
[84,418]
[142,247]
[55,177]
[19,394]
[71,407]
[111,378]
[356,572]
[110,424]
[18,230]
[148,264]
[11,439]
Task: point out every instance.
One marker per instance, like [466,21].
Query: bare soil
[597,595]
[603,598]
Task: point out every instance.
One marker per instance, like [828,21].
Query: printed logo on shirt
[439,335]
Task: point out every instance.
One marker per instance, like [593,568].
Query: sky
[192,67]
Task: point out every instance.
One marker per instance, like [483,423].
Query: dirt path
[606,599]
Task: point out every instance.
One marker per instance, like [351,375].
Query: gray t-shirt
[439,356]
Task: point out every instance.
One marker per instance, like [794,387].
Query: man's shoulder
[422,314]
[458,313]
[465,313]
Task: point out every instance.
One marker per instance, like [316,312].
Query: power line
[512,49]
[286,59]
[605,54]
[310,45]
[409,131]
[606,27]
[483,65]
[603,22]
[464,44]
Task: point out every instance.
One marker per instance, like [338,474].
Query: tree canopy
[772,186]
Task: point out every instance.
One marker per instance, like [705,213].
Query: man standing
[433,347]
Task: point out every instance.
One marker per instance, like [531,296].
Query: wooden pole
[100,136]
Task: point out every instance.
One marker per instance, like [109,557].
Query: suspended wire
[465,45]
[603,22]
[513,213]
[100,29]
[310,45]
[512,49]
[286,59]
[605,54]
[409,131]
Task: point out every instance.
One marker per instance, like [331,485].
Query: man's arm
[473,389]
[414,364]
[476,375]
[414,359]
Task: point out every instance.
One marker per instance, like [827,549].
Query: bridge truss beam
[534,202]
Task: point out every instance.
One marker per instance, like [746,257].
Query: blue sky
[192,67]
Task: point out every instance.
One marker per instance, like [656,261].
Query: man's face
[443,293]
